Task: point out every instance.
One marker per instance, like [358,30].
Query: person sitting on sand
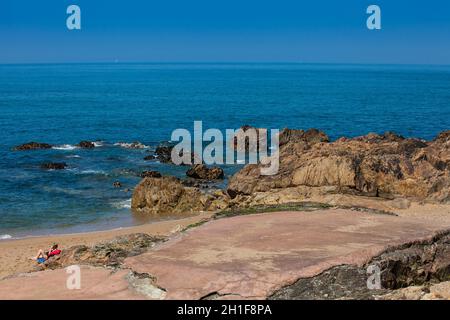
[42,256]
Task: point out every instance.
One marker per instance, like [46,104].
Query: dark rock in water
[32,146]
[150,157]
[117,184]
[86,145]
[150,174]
[201,171]
[164,155]
[54,165]
[110,253]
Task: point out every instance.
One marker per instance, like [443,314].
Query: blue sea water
[109,103]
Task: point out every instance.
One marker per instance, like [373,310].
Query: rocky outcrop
[163,153]
[110,253]
[201,171]
[54,165]
[32,146]
[86,145]
[167,195]
[374,165]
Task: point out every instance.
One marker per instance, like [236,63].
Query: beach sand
[15,254]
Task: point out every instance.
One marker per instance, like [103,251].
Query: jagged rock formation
[375,165]
[167,195]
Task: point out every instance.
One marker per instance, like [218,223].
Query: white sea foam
[125,204]
[65,147]
[98,143]
[73,156]
[92,172]
[5,236]
[131,145]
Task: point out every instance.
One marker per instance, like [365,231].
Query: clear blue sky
[416,32]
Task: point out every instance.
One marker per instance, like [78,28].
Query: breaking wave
[125,204]
[65,147]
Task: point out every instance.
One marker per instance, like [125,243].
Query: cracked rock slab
[252,256]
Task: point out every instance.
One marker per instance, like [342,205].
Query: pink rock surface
[251,256]
[96,283]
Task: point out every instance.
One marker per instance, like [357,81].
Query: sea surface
[62,104]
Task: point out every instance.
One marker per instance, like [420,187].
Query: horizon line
[227,62]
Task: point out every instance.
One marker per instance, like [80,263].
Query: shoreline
[15,253]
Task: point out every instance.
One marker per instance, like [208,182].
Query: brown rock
[167,195]
[32,146]
[201,171]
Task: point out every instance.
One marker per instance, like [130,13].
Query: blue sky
[328,31]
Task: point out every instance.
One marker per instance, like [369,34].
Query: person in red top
[42,256]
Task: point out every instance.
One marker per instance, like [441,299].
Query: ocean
[62,104]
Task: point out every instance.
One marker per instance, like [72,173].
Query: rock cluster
[375,165]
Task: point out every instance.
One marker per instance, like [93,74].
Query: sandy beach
[15,254]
